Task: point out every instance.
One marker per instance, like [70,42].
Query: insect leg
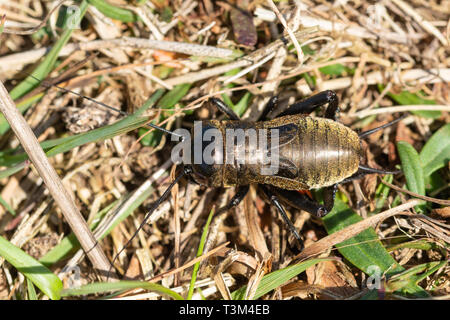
[237,198]
[310,104]
[275,201]
[224,108]
[186,171]
[329,193]
[268,107]
[300,201]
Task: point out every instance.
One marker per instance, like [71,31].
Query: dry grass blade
[53,182]
[438,201]
[326,243]
[380,58]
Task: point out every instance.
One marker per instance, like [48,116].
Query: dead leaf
[243,28]
[328,275]
[442,212]
[134,269]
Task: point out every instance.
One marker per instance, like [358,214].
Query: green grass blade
[103,287]
[56,146]
[242,104]
[113,12]
[168,101]
[62,249]
[42,277]
[382,193]
[171,98]
[199,253]
[70,243]
[277,278]
[7,206]
[10,171]
[436,152]
[31,291]
[412,168]
[421,244]
[45,67]
[333,69]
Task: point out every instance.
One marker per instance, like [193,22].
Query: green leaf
[421,244]
[408,98]
[411,278]
[436,152]
[382,193]
[114,12]
[31,291]
[412,167]
[103,287]
[333,70]
[277,278]
[363,250]
[199,253]
[42,277]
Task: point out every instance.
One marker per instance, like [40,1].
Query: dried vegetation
[381,57]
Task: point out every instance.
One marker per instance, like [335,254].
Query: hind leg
[224,108]
[275,201]
[308,105]
[241,192]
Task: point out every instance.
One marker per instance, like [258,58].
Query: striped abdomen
[312,153]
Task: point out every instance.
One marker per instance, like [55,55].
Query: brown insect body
[313,153]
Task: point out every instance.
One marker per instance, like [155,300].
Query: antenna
[364,134]
[49,85]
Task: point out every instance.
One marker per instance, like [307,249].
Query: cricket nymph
[293,152]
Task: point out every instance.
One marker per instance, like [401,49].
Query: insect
[312,153]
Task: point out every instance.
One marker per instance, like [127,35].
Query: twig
[400,108]
[420,76]
[421,21]
[300,55]
[113,216]
[352,230]
[36,28]
[53,182]
[249,69]
[438,201]
[190,263]
[242,62]
[13,61]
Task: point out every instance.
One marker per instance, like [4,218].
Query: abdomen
[313,153]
